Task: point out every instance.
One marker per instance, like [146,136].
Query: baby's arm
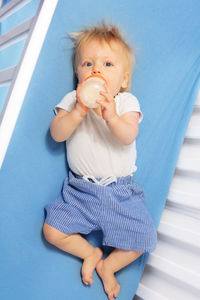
[125,127]
[65,122]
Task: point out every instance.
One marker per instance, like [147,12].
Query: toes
[87,280]
[110,295]
[113,293]
[116,292]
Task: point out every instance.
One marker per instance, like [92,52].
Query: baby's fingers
[107,93]
[107,96]
[103,104]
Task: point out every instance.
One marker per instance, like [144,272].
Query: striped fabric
[117,209]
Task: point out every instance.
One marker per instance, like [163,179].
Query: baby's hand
[79,105]
[108,106]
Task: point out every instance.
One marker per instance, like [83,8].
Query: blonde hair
[103,33]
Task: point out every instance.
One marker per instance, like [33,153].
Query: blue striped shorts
[117,209]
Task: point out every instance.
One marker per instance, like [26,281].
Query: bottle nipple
[89,92]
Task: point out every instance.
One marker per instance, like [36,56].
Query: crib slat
[185,192]
[158,285]
[16,34]
[180,227]
[197,104]
[173,269]
[189,158]
[6,76]
[193,131]
[145,291]
[11,8]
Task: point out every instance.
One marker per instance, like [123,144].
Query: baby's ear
[125,82]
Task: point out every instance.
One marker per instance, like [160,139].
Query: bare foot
[89,265]
[111,286]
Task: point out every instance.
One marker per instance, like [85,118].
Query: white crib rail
[18,77]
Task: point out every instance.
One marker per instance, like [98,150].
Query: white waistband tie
[103,181]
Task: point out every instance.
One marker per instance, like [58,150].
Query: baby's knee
[52,235]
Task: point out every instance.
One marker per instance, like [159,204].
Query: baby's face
[109,61]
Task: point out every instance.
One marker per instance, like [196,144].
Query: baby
[99,192]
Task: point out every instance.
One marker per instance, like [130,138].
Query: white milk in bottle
[89,92]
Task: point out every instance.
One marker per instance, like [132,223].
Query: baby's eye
[108,64]
[87,64]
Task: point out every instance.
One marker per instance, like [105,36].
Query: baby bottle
[89,92]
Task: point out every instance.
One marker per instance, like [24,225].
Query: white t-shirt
[92,150]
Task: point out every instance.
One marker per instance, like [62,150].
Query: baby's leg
[76,245]
[106,269]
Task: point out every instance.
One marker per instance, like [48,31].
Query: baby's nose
[96,69]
